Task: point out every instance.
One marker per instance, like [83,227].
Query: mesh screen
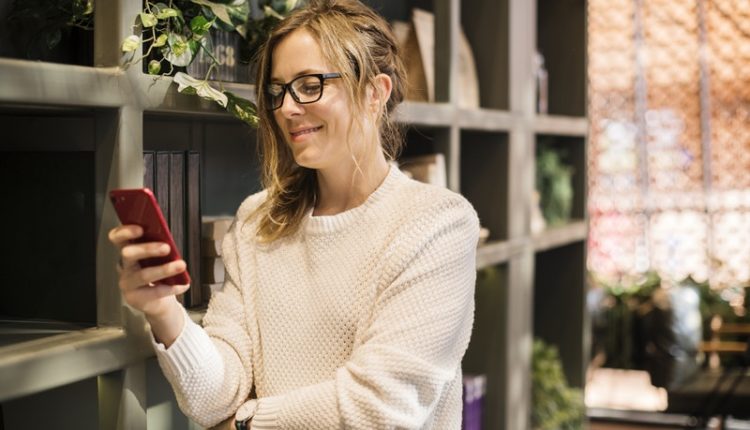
[669,146]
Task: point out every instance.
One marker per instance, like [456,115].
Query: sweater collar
[331,223]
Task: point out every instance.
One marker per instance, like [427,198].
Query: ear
[380,92]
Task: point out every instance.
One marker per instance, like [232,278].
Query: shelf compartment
[27,34]
[484,178]
[71,406]
[43,364]
[554,237]
[52,195]
[486,25]
[561,125]
[561,39]
[230,170]
[572,152]
[560,316]
[486,354]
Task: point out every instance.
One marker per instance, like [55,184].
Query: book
[215,227]
[213,271]
[198,296]
[212,288]
[211,247]
[473,397]
[429,169]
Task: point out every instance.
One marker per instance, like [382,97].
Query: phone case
[139,206]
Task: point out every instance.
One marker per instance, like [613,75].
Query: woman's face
[316,132]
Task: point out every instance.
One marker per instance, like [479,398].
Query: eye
[274,90]
[309,86]
[311,89]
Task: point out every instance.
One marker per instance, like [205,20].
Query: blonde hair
[360,45]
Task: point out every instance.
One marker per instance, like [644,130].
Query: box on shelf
[416,41]
[214,228]
[429,169]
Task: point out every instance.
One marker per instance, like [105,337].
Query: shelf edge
[43,364]
[559,125]
[40,83]
[556,237]
[497,252]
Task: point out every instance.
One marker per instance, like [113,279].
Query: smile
[299,133]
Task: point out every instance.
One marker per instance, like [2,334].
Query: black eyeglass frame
[287,88]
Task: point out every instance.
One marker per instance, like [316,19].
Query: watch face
[245,414]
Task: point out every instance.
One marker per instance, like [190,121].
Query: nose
[289,107]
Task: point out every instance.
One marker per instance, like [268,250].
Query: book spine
[177,203]
[148,170]
[161,182]
[197,294]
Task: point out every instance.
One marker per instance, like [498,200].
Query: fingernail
[164,248]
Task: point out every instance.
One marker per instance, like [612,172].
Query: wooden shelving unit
[529,284]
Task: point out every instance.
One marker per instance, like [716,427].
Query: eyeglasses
[303,89]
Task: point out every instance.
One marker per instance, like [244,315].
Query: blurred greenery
[618,305]
[555,405]
[555,186]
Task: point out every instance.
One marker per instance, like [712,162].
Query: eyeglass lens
[304,89]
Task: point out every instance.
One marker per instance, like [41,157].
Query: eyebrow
[276,79]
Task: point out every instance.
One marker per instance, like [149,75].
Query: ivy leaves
[173,34]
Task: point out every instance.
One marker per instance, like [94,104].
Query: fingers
[134,278]
[120,235]
[130,254]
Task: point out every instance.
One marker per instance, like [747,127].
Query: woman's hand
[140,287]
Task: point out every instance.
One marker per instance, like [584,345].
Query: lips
[303,131]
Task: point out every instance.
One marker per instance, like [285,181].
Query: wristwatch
[242,424]
[244,415]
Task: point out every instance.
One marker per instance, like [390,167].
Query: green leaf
[148,20]
[187,83]
[131,43]
[160,41]
[179,52]
[269,11]
[199,25]
[234,14]
[243,109]
[290,5]
[154,67]
[167,12]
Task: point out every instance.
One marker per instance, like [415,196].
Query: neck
[345,187]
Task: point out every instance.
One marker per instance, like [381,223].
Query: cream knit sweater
[359,320]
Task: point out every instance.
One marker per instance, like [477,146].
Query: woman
[349,295]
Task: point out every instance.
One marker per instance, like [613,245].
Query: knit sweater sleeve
[210,369]
[414,341]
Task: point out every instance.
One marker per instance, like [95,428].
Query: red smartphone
[139,206]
